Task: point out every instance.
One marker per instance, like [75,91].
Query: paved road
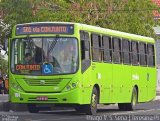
[146,111]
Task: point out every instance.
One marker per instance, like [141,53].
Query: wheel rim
[134,99]
[94,101]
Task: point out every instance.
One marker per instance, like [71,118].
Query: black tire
[130,106]
[134,100]
[122,106]
[32,108]
[79,108]
[91,109]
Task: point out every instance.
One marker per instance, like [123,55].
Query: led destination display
[44,29]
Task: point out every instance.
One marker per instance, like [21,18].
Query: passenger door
[97,68]
[86,79]
[107,69]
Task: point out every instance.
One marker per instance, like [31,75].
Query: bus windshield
[44,55]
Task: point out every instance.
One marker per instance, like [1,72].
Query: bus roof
[115,33]
[97,29]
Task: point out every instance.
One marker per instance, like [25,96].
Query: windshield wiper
[53,44]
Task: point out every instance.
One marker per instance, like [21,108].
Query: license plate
[42,98]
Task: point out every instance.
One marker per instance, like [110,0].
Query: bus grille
[53,82]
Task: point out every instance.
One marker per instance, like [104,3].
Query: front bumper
[69,97]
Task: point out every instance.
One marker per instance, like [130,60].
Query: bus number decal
[27,29]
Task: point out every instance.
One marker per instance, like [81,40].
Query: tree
[133,16]
[51,10]
[3,65]
[16,11]
[13,12]
[4,29]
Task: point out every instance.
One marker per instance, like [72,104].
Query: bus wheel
[122,106]
[91,109]
[134,100]
[79,108]
[129,106]
[32,108]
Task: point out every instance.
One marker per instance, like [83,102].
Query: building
[155,12]
[157,31]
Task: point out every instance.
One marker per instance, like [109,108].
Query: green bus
[64,63]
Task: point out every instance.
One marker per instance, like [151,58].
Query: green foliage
[3,65]
[133,16]
[136,18]
[16,11]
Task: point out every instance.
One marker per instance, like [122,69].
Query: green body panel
[142,82]
[115,81]
[151,83]
[86,86]
[106,94]
[121,83]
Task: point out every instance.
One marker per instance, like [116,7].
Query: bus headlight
[74,85]
[68,88]
[15,86]
[71,86]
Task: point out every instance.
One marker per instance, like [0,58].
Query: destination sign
[44,29]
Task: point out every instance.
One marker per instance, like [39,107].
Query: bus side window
[107,45]
[135,51]
[126,51]
[96,44]
[116,50]
[85,50]
[150,55]
[143,53]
